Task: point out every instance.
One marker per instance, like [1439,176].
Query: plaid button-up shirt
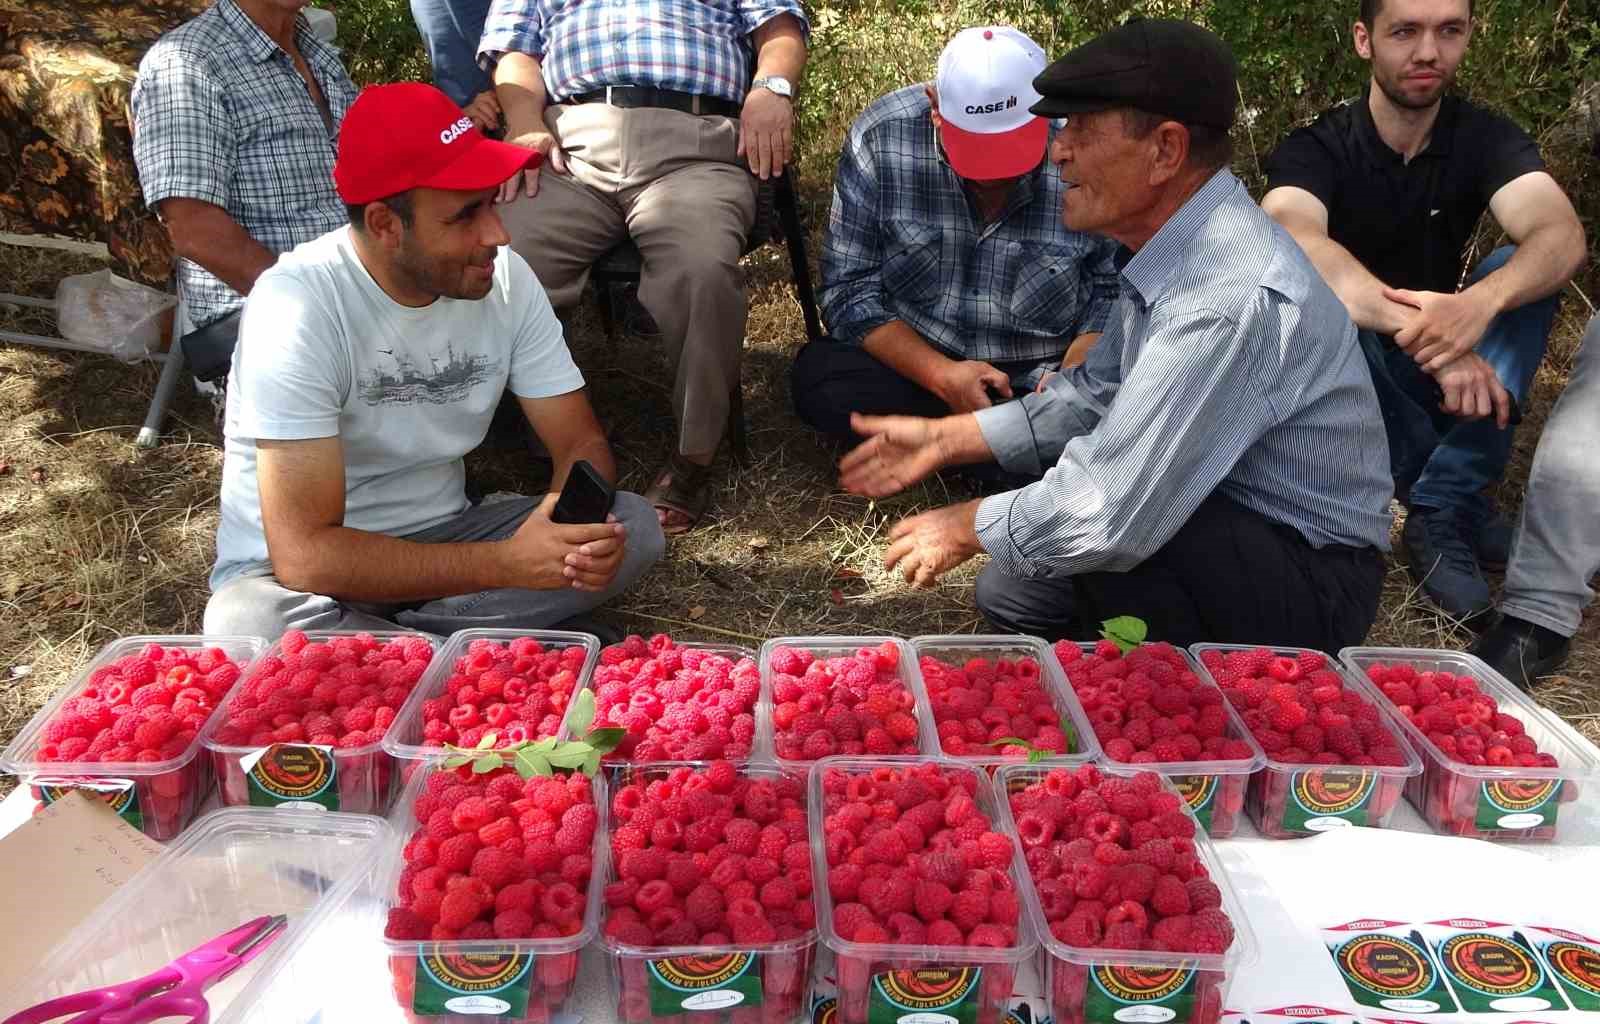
[904,243]
[221,115]
[694,46]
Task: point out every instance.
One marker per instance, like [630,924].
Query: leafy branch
[546,756]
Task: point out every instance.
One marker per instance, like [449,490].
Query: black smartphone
[586,497]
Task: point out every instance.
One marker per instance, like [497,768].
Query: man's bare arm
[519,86]
[1305,217]
[1539,218]
[962,384]
[780,48]
[205,233]
[302,512]
[568,427]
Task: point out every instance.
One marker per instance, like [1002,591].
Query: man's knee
[1034,608]
[245,607]
[810,380]
[646,542]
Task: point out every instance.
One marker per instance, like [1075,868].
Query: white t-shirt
[324,352]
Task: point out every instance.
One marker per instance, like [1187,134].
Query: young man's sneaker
[1439,547]
[1522,651]
[1491,537]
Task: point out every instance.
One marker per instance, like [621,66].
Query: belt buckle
[608,97]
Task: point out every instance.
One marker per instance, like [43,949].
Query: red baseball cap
[410,135]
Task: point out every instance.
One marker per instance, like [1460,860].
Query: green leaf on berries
[543,746]
[487,763]
[1070,733]
[570,757]
[487,743]
[582,714]
[606,740]
[591,764]
[530,763]
[1126,631]
[1010,741]
[1035,756]
[452,763]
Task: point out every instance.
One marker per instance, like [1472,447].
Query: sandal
[682,487]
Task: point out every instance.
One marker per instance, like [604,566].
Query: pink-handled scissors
[175,990]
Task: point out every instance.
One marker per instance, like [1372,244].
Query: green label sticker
[1516,805]
[1576,965]
[1125,994]
[1328,798]
[121,795]
[1200,791]
[486,984]
[948,994]
[1496,974]
[291,773]
[704,983]
[1392,972]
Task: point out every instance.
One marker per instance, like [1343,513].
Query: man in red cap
[948,280]
[370,360]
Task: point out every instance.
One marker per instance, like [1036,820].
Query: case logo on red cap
[455,131]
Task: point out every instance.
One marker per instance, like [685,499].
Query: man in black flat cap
[1217,466]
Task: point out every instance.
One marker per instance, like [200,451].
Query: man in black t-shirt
[1384,194]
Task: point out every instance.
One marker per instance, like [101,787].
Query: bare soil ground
[99,539]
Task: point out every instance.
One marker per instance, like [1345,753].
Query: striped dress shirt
[1227,365]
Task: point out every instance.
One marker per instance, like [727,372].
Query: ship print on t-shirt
[447,378]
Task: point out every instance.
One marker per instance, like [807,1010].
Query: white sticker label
[487,1005]
[1145,1014]
[928,1018]
[1327,824]
[1520,1004]
[1520,820]
[718,999]
[1412,1005]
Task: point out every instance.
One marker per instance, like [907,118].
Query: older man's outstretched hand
[898,452]
[925,547]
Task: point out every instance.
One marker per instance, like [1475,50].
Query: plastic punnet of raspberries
[518,690]
[496,856]
[1147,706]
[983,706]
[851,704]
[1114,862]
[342,692]
[1298,708]
[1461,721]
[143,707]
[676,703]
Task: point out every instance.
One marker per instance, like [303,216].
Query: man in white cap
[948,280]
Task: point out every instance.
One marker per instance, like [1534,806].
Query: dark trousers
[1230,575]
[830,380]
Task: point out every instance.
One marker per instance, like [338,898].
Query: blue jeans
[1442,461]
[450,31]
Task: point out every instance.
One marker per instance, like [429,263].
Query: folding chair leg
[166,387]
[738,439]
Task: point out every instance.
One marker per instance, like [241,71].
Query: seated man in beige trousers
[657,134]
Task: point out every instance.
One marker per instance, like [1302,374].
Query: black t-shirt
[1407,223]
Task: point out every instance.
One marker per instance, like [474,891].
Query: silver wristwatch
[776,84]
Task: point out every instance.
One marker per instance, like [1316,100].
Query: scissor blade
[269,928]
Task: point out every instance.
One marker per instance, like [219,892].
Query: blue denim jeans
[450,32]
[1557,546]
[1442,461]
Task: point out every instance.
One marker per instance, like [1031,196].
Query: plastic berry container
[896,981]
[1288,800]
[230,867]
[626,754]
[1214,790]
[1482,801]
[158,797]
[488,981]
[766,749]
[957,651]
[1096,984]
[405,739]
[359,780]
[768,983]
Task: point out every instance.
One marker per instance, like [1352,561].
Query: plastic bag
[113,315]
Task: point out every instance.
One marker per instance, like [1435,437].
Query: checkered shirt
[903,243]
[694,46]
[221,115]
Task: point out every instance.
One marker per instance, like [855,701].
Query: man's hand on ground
[1472,390]
[925,547]
[484,109]
[898,452]
[550,556]
[527,182]
[965,384]
[766,133]
[1445,328]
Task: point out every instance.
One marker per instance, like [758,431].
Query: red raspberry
[969,909]
[561,904]
[496,867]
[643,865]
[460,907]
[995,849]
[457,852]
[1170,898]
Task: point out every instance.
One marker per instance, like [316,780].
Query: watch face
[778,85]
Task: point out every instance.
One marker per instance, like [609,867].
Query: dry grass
[114,541]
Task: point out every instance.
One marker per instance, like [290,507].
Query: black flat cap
[1173,69]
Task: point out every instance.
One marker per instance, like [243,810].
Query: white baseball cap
[985,87]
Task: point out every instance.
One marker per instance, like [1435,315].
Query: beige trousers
[672,182]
